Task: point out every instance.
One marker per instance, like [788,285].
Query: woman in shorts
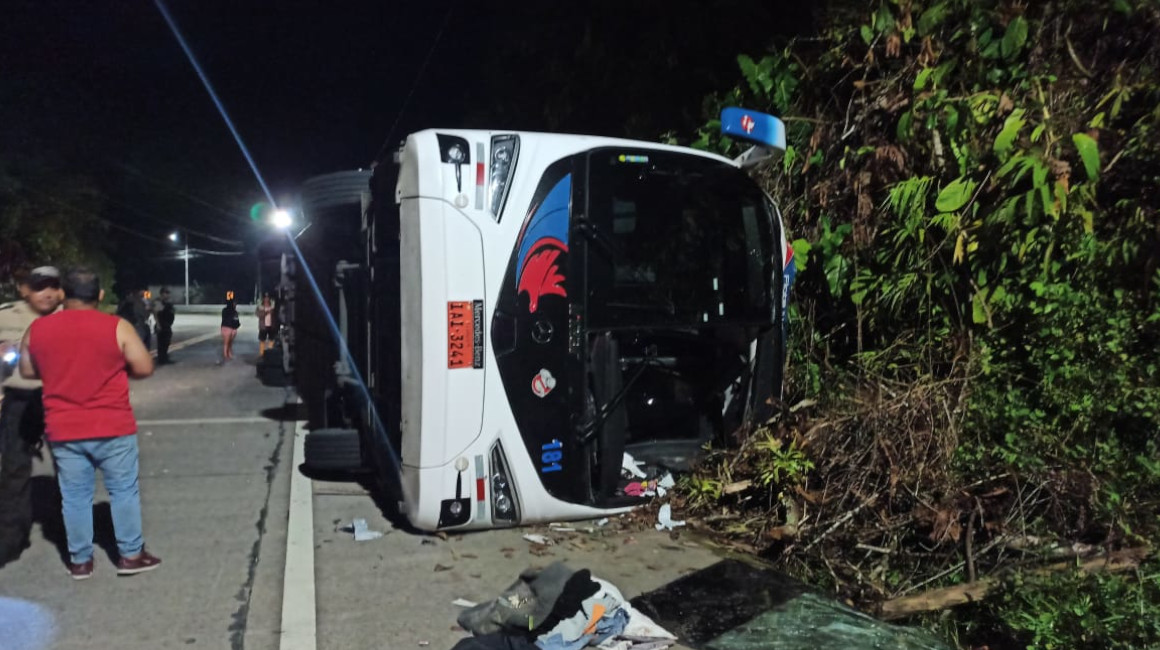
[230,325]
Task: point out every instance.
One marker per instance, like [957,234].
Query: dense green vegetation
[974,387]
[48,218]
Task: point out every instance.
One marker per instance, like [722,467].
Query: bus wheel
[333,450]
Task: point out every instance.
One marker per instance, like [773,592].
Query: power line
[117,226]
[138,212]
[233,219]
[415,83]
[208,252]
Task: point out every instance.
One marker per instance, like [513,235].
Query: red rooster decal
[541,275]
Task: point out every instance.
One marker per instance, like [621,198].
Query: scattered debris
[641,489]
[427,542]
[463,602]
[601,615]
[442,567]
[632,466]
[362,532]
[601,522]
[665,483]
[538,539]
[737,486]
[665,518]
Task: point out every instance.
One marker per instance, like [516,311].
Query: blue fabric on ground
[609,625]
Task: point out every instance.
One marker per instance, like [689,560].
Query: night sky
[102,89]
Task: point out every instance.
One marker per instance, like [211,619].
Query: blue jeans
[76,466]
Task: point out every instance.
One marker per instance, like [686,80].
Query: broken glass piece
[732,605]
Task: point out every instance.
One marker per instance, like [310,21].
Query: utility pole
[186,256]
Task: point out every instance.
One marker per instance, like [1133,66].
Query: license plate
[465,334]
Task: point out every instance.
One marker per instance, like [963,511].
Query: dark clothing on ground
[530,601]
[495,642]
[21,431]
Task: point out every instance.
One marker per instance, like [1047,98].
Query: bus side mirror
[766,132]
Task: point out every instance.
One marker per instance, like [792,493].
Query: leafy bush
[977,320]
[1076,611]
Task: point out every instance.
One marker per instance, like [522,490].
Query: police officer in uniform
[21,412]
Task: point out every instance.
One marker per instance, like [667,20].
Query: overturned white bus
[526,308]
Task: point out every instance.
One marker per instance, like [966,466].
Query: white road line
[299,627]
[188,342]
[238,420]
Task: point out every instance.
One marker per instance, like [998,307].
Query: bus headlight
[504,508]
[504,151]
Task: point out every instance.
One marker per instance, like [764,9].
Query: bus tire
[333,450]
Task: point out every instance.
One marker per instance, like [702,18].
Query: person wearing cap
[21,412]
[85,358]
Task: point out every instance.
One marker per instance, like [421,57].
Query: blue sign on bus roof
[752,126]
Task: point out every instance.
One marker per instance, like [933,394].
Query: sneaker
[128,566]
[82,571]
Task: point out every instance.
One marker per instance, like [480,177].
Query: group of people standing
[231,322]
[140,310]
[66,367]
[67,378]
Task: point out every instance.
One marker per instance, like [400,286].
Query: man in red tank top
[85,359]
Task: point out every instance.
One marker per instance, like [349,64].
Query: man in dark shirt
[163,315]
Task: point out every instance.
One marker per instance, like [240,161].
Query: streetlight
[185,256]
[281,219]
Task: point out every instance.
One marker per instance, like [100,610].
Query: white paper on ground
[537,539]
[629,465]
[665,483]
[361,532]
[463,602]
[665,518]
[639,625]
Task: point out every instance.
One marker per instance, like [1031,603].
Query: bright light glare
[10,356]
[172,236]
[281,219]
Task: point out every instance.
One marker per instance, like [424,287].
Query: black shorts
[266,334]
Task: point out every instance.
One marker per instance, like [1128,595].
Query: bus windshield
[675,240]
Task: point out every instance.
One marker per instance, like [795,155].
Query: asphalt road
[225,506]
[213,468]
